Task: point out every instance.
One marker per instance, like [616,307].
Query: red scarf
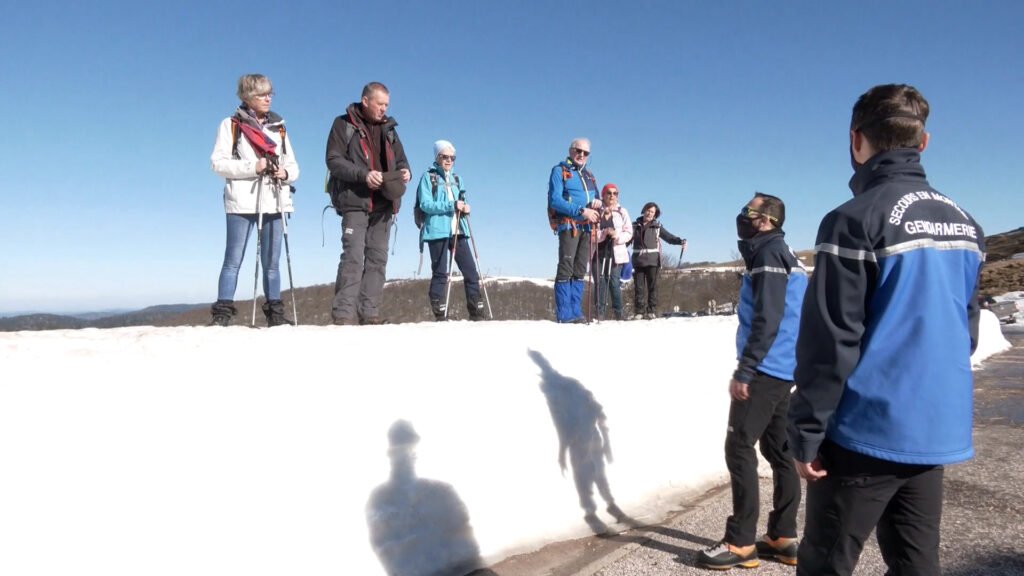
[260,142]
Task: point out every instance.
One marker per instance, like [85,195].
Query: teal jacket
[439,211]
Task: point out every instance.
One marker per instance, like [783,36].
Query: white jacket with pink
[624,228]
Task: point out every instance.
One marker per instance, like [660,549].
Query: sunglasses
[612,193]
[579,151]
[752,214]
[444,157]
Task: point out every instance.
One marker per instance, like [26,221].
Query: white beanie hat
[442,145]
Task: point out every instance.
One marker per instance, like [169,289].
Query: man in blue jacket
[769,313]
[884,385]
[572,208]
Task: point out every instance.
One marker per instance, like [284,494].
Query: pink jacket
[622,224]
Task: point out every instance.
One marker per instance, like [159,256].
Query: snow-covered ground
[238,451]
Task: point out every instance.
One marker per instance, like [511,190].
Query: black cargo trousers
[860,494]
[761,419]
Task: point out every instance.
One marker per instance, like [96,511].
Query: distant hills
[1003,273]
[152,315]
[686,289]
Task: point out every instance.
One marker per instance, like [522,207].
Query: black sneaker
[781,549]
[723,556]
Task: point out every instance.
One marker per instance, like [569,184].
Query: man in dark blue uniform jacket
[884,385]
[769,313]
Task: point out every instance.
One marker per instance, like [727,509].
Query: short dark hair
[772,206]
[374,87]
[891,116]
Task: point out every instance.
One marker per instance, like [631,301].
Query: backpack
[554,219]
[418,215]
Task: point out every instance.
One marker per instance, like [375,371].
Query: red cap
[609,187]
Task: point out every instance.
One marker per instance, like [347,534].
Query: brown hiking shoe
[780,549]
[723,556]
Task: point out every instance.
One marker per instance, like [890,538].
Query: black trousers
[573,255]
[860,494]
[761,418]
[645,289]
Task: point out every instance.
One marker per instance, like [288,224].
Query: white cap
[443,146]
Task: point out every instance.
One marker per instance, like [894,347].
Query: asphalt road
[981,525]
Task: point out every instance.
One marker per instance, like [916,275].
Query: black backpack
[417,213]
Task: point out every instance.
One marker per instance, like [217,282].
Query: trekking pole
[605,286]
[675,278]
[451,262]
[591,272]
[259,236]
[476,257]
[287,252]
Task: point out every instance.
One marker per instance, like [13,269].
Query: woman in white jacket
[614,232]
[255,157]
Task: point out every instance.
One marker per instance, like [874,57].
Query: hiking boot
[345,322]
[222,311]
[638,316]
[780,549]
[723,556]
[650,316]
[274,311]
[438,308]
[220,320]
[476,311]
[372,321]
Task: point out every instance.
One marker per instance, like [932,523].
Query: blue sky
[112,109]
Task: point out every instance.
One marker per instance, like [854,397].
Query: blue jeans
[238,228]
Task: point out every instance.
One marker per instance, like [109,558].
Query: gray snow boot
[274,311]
[222,311]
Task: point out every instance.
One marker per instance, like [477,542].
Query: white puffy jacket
[240,181]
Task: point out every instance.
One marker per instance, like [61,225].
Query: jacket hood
[884,165]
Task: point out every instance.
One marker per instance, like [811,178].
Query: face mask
[745,228]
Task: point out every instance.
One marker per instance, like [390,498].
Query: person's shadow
[419,527]
[582,434]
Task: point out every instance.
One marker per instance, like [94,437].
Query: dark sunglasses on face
[578,151]
[612,193]
[753,214]
[444,157]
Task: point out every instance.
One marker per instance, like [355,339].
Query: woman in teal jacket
[442,200]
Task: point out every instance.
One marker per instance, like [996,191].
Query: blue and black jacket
[889,322]
[438,203]
[769,311]
[570,190]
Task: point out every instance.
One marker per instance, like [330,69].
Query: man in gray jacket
[368,173]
